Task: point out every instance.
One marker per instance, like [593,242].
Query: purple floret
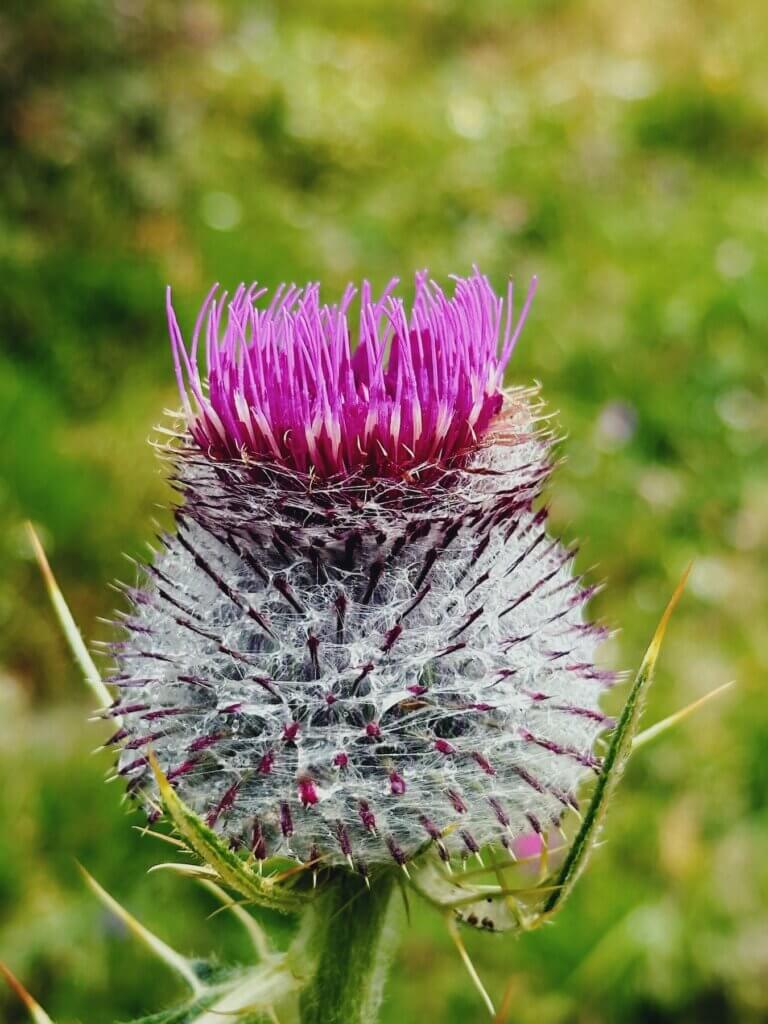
[310,387]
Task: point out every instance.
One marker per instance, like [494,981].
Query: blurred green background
[620,151]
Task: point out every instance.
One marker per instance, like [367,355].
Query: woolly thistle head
[361,639]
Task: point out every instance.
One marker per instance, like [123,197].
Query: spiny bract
[361,638]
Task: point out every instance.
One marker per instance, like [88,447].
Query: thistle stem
[353,941]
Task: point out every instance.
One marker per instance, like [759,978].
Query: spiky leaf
[615,761]
[229,867]
[36,1013]
[489,907]
[175,961]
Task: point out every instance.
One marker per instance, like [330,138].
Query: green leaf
[230,868]
[615,760]
[239,996]
[178,1015]
[488,907]
[249,1001]
[185,1014]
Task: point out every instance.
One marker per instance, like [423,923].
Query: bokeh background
[620,151]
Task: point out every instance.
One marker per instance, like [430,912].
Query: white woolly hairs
[322,674]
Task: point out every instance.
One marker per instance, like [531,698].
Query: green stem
[353,939]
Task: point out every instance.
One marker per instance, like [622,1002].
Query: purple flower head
[312,388]
[371,643]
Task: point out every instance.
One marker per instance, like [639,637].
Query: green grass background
[618,150]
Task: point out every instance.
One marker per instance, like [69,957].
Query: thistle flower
[361,639]
[284,384]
